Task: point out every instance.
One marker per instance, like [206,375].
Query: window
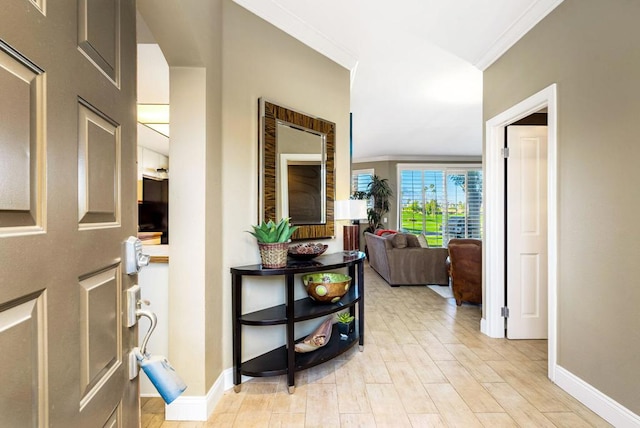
[360,179]
[443,202]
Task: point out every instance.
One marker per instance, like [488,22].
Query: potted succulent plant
[345,324]
[273,241]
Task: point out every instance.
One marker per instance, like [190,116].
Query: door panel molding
[41,5]
[530,148]
[22,168]
[99,36]
[100,330]
[23,362]
[99,151]
[530,303]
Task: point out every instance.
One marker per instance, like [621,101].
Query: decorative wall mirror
[297,170]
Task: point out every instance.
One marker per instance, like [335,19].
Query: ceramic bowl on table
[306,251]
[326,287]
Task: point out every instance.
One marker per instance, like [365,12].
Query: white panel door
[527,232]
[67,203]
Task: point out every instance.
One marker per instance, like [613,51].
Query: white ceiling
[416,79]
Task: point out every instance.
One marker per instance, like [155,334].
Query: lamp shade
[358,209]
[351,209]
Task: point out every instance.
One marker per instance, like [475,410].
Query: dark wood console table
[284,359]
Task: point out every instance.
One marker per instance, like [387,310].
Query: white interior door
[527,232]
[67,203]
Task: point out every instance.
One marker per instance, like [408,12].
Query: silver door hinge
[504,312]
[505,152]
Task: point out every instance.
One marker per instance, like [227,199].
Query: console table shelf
[274,362]
[284,360]
[303,309]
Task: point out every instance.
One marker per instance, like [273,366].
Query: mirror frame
[270,115]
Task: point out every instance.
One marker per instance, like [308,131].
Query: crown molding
[521,26]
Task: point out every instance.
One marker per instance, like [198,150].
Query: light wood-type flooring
[425,364]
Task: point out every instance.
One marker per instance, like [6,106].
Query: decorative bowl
[306,251]
[326,287]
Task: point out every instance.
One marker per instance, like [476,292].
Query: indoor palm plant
[380,191]
[273,241]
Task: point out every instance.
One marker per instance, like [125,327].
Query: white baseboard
[199,408]
[607,408]
[196,408]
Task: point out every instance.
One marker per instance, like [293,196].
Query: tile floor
[425,364]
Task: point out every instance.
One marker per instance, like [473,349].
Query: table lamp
[353,210]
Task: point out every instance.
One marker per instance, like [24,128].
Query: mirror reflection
[301,174]
[297,170]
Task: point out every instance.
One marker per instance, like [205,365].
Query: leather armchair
[465,270]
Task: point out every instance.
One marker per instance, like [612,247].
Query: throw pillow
[399,240]
[412,240]
[385,232]
[422,239]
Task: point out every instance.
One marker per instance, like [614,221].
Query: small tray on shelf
[306,251]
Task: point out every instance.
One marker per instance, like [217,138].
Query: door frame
[492,323]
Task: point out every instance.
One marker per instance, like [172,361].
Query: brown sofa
[400,260]
[465,259]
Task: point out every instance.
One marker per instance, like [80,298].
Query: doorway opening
[493,321]
[153,198]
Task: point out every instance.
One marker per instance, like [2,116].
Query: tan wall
[590,49]
[237,58]
[383,169]
[261,61]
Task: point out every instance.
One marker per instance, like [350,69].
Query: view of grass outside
[417,222]
[434,203]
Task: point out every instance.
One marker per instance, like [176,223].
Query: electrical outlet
[384,220]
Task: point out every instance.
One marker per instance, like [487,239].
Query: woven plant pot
[273,255]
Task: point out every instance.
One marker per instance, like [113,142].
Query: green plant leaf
[345,318]
[271,232]
[282,234]
[282,229]
[263,236]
